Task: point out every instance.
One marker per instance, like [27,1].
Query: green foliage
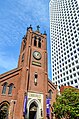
[67,104]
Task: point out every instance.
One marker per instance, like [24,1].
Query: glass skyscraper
[64,38]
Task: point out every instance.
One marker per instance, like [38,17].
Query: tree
[67,104]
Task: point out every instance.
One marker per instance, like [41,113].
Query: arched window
[10,88]
[35,78]
[39,42]
[35,41]
[4,88]
[50,93]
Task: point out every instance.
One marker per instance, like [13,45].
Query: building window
[77,44]
[71,82]
[73,69]
[77,67]
[70,70]
[35,78]
[50,93]
[39,43]
[10,89]
[35,41]
[65,84]
[4,88]
[59,87]
[78,49]
[72,58]
[75,56]
[71,53]
[67,78]
[78,73]
[69,60]
[76,61]
[74,75]
[76,86]
[68,83]
[69,65]
[61,80]
[74,46]
[75,81]
[70,76]
[72,63]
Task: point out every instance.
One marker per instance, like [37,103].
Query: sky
[15,17]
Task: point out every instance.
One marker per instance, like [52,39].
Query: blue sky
[15,17]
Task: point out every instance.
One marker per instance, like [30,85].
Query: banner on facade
[48,106]
[25,106]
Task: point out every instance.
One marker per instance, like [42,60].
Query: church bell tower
[33,60]
[26,92]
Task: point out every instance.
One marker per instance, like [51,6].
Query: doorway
[4,111]
[33,111]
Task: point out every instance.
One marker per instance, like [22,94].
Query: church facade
[26,92]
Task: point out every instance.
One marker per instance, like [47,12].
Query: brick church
[26,92]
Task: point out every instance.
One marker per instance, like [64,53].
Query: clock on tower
[37,55]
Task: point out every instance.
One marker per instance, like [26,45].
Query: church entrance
[33,111]
[4,111]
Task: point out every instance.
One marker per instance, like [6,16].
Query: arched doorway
[4,110]
[33,110]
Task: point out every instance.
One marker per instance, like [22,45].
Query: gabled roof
[10,73]
[52,84]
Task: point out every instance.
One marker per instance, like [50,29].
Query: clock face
[37,55]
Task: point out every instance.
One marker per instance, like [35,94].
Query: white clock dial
[37,55]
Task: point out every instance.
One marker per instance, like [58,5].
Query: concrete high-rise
[64,38]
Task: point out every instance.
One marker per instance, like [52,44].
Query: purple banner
[25,106]
[48,106]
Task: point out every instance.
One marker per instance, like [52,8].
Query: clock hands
[37,55]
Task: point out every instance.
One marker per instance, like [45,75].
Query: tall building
[64,38]
[26,92]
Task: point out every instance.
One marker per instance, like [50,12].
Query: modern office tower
[64,38]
